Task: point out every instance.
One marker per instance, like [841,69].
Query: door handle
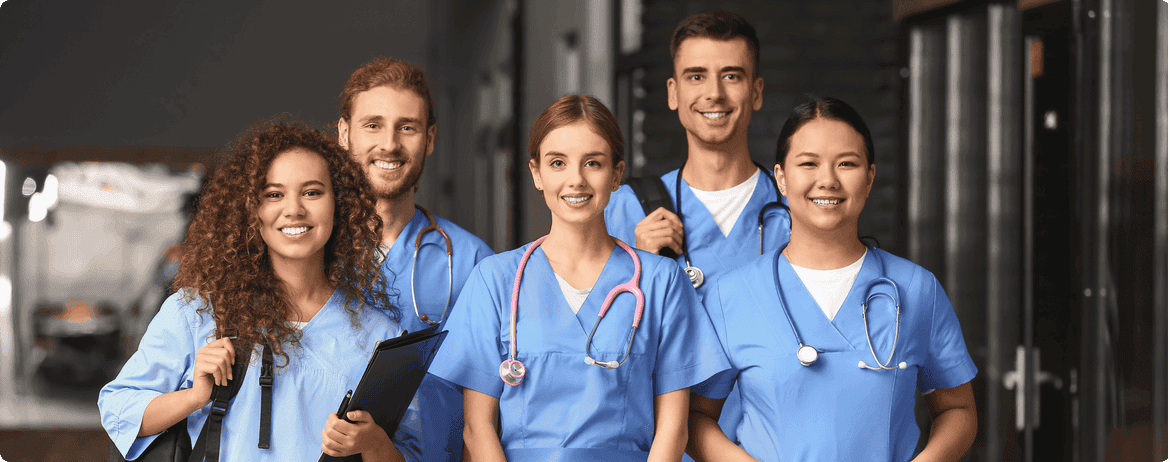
[1028,411]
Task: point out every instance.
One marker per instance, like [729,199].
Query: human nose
[294,206]
[714,90]
[827,178]
[390,141]
[576,178]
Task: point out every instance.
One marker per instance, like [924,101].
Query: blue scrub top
[711,251]
[833,410]
[437,408]
[566,409]
[330,360]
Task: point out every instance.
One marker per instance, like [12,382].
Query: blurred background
[1021,150]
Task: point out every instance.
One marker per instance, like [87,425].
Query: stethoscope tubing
[514,370]
[418,243]
[694,272]
[882,279]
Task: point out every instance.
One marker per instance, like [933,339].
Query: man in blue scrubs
[388,124]
[715,88]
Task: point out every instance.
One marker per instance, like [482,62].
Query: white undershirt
[576,297]
[726,205]
[298,325]
[830,287]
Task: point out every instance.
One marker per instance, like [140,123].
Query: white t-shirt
[576,297]
[726,205]
[830,287]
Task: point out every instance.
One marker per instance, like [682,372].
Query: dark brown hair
[817,108]
[397,73]
[718,25]
[225,261]
[572,109]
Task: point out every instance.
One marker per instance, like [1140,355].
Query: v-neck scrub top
[710,250]
[331,359]
[437,408]
[565,409]
[833,410]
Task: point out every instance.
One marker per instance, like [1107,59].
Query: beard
[409,182]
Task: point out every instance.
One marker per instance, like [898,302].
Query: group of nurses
[572,369]
[829,340]
[297,216]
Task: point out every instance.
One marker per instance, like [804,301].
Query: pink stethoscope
[512,370]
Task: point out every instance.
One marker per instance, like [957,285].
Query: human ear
[619,171]
[343,133]
[672,94]
[534,169]
[432,133]
[779,172]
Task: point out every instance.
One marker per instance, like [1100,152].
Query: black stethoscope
[807,355]
[512,370]
[433,226]
[693,272]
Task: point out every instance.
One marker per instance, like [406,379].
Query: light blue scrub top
[711,251]
[565,409]
[330,360]
[437,408]
[833,410]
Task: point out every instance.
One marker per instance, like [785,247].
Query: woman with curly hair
[281,254]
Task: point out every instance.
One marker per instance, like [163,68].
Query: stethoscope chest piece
[807,355]
[696,276]
[512,371]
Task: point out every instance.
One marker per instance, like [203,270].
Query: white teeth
[826,201]
[575,200]
[387,165]
[713,115]
[294,231]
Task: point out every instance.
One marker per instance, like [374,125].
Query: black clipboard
[392,377]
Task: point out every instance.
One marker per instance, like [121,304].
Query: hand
[213,366]
[362,435]
[661,228]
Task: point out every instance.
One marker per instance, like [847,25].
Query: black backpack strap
[652,194]
[207,447]
[265,399]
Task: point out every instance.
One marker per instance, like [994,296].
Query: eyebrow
[694,70]
[837,155]
[740,69]
[307,183]
[588,154]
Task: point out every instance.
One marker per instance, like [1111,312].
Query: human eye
[557,163]
[592,163]
[732,77]
[372,126]
[313,193]
[272,195]
[407,128]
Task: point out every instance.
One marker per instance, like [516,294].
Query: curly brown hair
[225,261]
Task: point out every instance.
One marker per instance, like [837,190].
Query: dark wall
[844,49]
[184,74]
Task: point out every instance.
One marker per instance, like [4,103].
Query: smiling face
[714,89]
[576,173]
[826,177]
[296,208]
[388,136]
